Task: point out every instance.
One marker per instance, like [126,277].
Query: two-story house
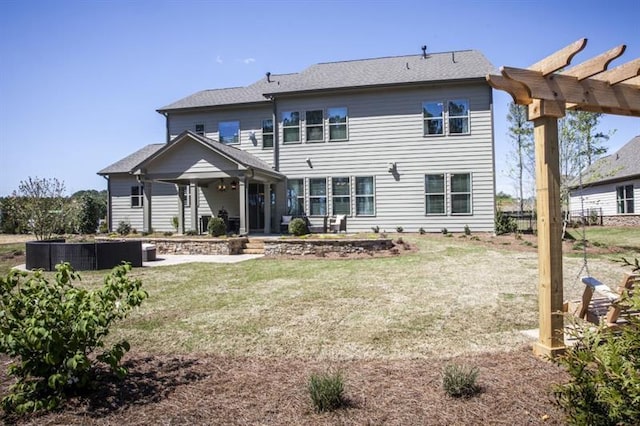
[390,142]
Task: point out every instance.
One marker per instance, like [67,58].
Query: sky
[80,81]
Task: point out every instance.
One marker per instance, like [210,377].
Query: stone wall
[196,245]
[302,247]
[621,220]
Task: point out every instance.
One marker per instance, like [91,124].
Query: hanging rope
[585,259]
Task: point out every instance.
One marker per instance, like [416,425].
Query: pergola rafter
[549,88]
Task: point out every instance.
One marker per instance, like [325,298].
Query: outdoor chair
[284,224]
[339,223]
[604,306]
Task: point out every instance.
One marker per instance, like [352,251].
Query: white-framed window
[317,196]
[624,198]
[365,196]
[199,129]
[458,111]
[460,193]
[186,196]
[267,133]
[337,118]
[314,125]
[229,132]
[341,195]
[291,127]
[433,115]
[137,196]
[295,197]
[435,194]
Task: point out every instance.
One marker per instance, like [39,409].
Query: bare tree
[43,206]
[522,155]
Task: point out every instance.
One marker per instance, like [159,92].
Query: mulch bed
[219,390]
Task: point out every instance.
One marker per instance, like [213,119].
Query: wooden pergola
[549,90]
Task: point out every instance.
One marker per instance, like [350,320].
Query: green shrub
[51,330]
[191,232]
[216,227]
[103,228]
[175,223]
[604,366]
[421,231]
[399,229]
[444,231]
[504,224]
[467,230]
[327,391]
[124,228]
[89,215]
[375,229]
[298,227]
[460,381]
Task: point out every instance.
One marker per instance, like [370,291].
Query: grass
[451,296]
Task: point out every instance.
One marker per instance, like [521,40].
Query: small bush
[191,232]
[175,223]
[51,330]
[326,391]
[167,233]
[298,227]
[124,228]
[216,227]
[375,229]
[444,231]
[399,229]
[467,230]
[103,228]
[504,224]
[421,231]
[460,381]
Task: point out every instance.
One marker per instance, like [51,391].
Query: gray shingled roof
[129,162]
[624,164]
[459,65]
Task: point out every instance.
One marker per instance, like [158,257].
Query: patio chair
[604,306]
[284,224]
[339,223]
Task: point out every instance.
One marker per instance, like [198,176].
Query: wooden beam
[540,108]
[634,82]
[621,73]
[595,65]
[551,339]
[559,59]
[588,93]
[517,90]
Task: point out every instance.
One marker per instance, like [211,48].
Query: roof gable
[129,162]
[623,164]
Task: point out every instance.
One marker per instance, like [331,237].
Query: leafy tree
[523,157]
[44,210]
[9,224]
[89,215]
[99,197]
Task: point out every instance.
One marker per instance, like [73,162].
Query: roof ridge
[393,57]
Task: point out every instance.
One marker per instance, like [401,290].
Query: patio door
[256,207]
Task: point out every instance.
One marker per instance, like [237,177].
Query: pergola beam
[559,59]
[595,65]
[620,74]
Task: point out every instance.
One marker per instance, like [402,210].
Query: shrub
[421,231]
[444,231]
[375,229]
[89,215]
[504,224]
[298,227]
[460,381]
[175,223]
[326,390]
[191,232]
[103,228]
[399,229]
[467,230]
[52,328]
[124,228]
[216,227]
[604,366]
[167,233]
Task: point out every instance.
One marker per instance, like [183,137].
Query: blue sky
[80,81]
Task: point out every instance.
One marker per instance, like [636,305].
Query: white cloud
[218,59]
[248,60]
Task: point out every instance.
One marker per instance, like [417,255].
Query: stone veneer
[621,220]
[186,245]
[318,246]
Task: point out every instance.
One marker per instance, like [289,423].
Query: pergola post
[550,294]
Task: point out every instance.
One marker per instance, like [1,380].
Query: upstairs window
[200,129]
[434,194]
[317,197]
[341,195]
[337,124]
[291,127]
[315,126]
[229,132]
[458,116]
[267,133]
[295,197]
[137,196]
[624,198]
[433,115]
[460,193]
[365,196]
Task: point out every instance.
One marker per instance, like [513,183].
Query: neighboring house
[611,187]
[390,142]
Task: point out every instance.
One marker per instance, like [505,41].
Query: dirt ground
[214,390]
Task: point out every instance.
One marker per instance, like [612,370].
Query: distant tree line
[40,207]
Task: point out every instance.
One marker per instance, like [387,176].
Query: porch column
[193,191]
[242,194]
[146,207]
[267,208]
[180,229]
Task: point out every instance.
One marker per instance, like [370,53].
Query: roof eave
[212,107]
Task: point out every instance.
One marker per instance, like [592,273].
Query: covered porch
[212,180]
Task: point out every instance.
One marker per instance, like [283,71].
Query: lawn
[267,323]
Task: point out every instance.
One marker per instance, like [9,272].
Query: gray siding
[603,197]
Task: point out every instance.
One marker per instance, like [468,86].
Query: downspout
[108,202]
[276,134]
[166,116]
